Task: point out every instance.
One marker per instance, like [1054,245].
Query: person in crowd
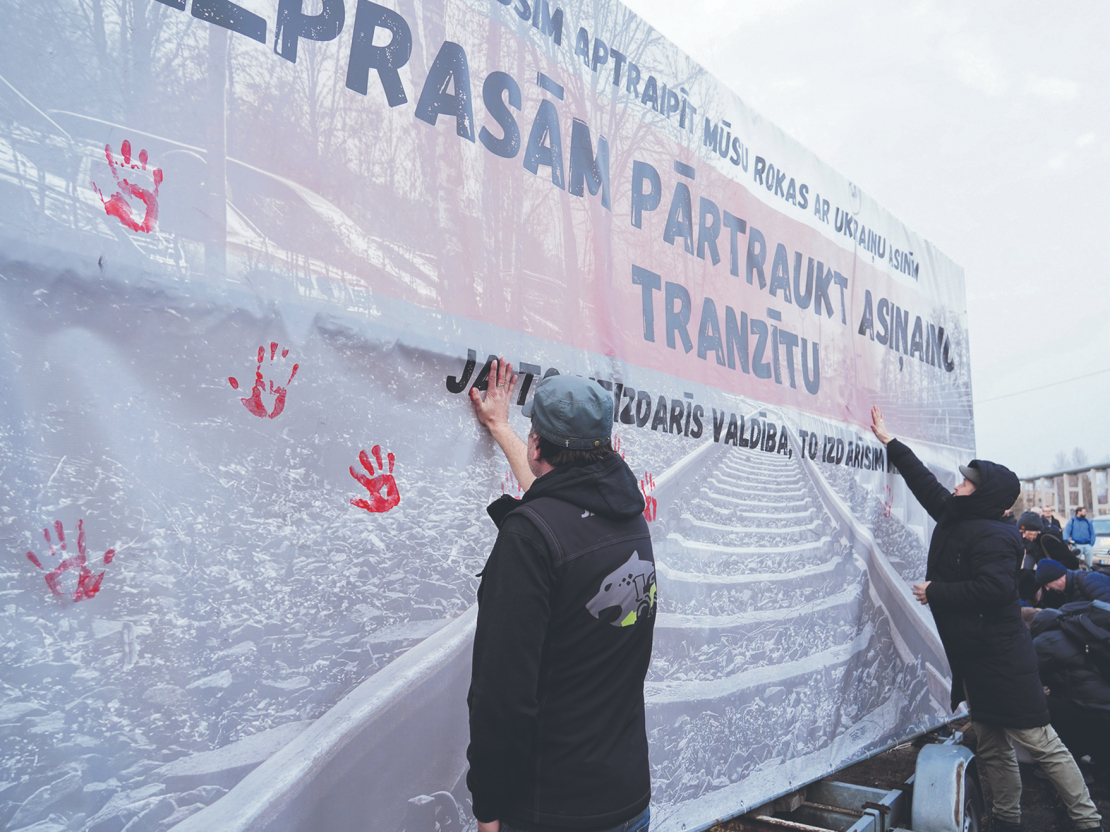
[1039,543]
[566,612]
[1036,546]
[1008,517]
[1030,525]
[971,588]
[1078,690]
[1075,585]
[1081,532]
[1051,524]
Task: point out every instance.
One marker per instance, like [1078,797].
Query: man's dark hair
[559,457]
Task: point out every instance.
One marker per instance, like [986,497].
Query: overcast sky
[982,126]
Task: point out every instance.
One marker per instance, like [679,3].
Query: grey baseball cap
[971,472]
[571,411]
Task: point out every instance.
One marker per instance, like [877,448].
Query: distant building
[1064,491]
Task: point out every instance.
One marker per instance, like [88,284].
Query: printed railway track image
[224,369]
[786,647]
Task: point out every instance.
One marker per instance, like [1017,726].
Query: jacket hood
[1043,621]
[607,488]
[997,491]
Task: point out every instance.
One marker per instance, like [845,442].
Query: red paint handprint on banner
[651,506]
[87,584]
[377,481]
[254,402]
[509,484]
[117,204]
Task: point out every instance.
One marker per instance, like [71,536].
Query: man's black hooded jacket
[973,562]
[566,610]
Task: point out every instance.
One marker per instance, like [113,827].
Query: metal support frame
[828,804]
[934,799]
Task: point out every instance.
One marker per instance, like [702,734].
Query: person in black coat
[1051,524]
[1078,692]
[1052,576]
[1040,543]
[1038,546]
[971,587]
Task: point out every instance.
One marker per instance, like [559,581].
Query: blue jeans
[1088,552]
[637,824]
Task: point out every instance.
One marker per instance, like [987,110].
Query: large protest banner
[253,257]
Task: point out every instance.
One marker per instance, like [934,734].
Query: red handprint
[509,484]
[888,503]
[647,486]
[254,403]
[87,585]
[374,484]
[617,445]
[117,205]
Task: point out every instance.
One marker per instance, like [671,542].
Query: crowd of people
[1044,536]
[566,612]
[1045,688]
[1070,626]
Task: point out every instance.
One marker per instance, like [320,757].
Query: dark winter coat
[1066,668]
[1087,586]
[973,562]
[1048,546]
[566,611]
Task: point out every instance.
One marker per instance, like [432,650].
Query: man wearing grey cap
[566,611]
[971,588]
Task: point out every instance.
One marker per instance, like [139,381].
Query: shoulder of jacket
[973,526]
[991,535]
[541,507]
[996,528]
[524,521]
[541,517]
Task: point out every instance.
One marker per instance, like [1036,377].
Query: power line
[1042,387]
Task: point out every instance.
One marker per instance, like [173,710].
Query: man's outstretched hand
[492,411]
[878,426]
